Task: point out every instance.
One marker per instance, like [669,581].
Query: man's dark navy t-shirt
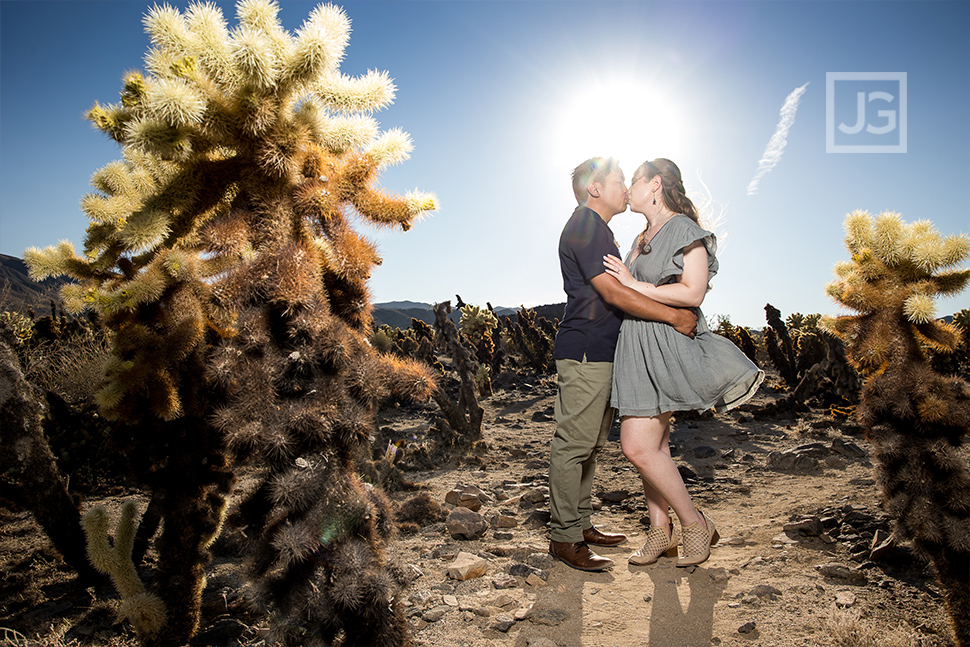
[589,326]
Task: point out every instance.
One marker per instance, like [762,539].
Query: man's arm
[633,303]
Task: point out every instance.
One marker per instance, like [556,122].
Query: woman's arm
[688,291]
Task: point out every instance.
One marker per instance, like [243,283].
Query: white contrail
[776,144]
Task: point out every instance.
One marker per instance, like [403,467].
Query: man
[585,343]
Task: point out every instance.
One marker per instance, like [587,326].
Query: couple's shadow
[671,623]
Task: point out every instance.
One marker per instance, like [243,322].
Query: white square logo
[865,112]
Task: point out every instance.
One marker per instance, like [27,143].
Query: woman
[657,371]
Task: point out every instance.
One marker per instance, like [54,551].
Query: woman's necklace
[656,229]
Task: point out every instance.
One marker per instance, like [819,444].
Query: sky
[758,102]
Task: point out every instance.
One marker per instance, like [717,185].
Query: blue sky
[503,99]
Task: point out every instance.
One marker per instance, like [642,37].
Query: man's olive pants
[583,420]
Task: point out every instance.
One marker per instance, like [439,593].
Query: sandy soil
[762,585]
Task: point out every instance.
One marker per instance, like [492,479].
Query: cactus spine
[915,418]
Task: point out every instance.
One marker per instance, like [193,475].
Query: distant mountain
[19,292]
[398,314]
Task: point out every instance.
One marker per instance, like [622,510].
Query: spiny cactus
[915,418]
[461,425]
[477,325]
[793,347]
[533,338]
[221,255]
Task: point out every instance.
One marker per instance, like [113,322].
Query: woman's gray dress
[656,369]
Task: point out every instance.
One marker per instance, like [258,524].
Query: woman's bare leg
[646,443]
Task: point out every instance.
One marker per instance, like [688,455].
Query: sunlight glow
[627,117]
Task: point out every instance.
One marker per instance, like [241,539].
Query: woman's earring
[655,198]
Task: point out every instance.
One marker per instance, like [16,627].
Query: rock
[540,642]
[535,579]
[536,495]
[538,519]
[504,581]
[764,590]
[747,627]
[849,449]
[549,617]
[502,622]
[463,523]
[837,571]
[809,527]
[704,451]
[844,599]
[450,600]
[466,566]
[447,552]
[614,496]
[502,536]
[687,473]
[524,570]
[882,545]
[502,520]
[542,561]
[435,614]
[791,461]
[719,574]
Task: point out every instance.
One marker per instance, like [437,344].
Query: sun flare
[624,117]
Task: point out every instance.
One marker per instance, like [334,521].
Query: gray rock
[463,523]
[524,570]
[504,581]
[837,571]
[502,622]
[747,627]
[542,561]
[849,449]
[549,617]
[808,527]
[435,614]
[614,496]
[764,590]
[538,519]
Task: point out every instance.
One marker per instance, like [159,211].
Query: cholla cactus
[477,324]
[915,417]
[221,254]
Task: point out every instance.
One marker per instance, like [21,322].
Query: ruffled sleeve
[678,234]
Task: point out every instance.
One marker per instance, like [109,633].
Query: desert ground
[806,556]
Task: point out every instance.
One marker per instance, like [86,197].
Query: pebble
[844,599]
[746,628]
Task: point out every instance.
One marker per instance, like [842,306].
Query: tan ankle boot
[659,542]
[696,542]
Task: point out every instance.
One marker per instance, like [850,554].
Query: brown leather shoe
[578,555]
[593,536]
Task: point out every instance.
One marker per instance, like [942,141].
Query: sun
[627,117]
